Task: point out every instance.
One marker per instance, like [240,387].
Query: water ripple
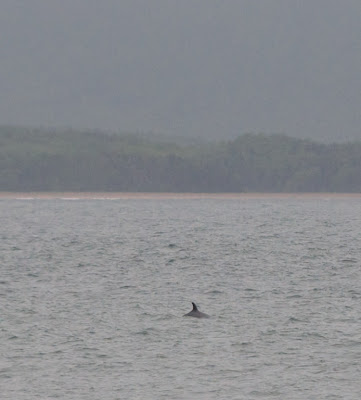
[93,294]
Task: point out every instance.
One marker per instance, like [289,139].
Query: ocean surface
[93,293]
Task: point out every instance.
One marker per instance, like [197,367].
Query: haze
[205,68]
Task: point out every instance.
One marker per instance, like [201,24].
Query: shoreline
[169,195]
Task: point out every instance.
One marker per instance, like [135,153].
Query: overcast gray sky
[196,67]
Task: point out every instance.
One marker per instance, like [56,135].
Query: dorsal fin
[194,307]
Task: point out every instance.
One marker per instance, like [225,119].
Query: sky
[203,68]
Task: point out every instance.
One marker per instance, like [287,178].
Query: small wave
[314,335]
[214,292]
[294,319]
[80,265]
[242,344]
[145,332]
[353,292]
[348,343]
[165,317]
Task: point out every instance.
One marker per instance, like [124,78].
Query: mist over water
[93,293]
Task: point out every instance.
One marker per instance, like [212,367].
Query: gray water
[92,294]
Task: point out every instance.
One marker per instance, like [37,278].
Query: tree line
[70,160]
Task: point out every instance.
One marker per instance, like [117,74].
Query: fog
[204,68]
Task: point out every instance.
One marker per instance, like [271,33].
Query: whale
[196,313]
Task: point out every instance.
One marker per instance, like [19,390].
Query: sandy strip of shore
[150,196]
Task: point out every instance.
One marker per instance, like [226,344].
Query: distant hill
[70,160]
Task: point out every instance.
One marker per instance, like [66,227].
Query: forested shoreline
[69,160]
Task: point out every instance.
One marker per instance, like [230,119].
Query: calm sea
[92,293]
